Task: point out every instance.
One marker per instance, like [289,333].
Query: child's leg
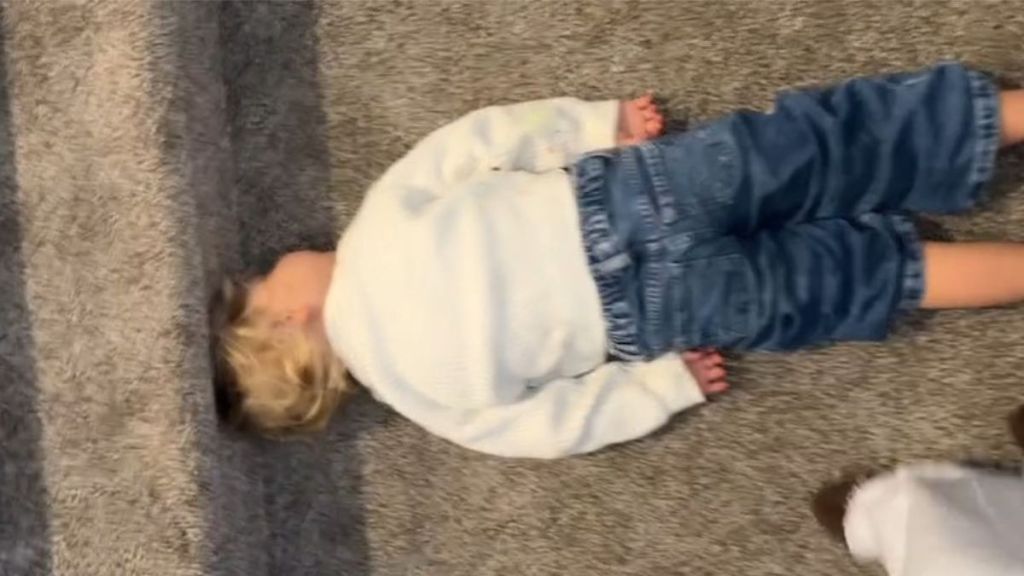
[1011,106]
[801,285]
[923,142]
[973,275]
[834,280]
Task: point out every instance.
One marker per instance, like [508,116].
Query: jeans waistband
[607,249]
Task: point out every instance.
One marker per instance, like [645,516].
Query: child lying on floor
[932,518]
[523,280]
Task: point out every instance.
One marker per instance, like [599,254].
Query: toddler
[522,281]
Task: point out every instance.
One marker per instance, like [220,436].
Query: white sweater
[462,296]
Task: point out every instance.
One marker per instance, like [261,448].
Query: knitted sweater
[462,296]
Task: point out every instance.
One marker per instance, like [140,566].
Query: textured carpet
[145,148]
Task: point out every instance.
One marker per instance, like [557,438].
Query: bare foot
[708,367]
[639,120]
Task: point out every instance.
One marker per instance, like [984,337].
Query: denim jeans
[783,230]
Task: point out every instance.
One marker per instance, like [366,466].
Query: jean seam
[656,211]
[985,103]
[913,282]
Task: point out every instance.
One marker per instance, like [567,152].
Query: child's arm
[533,136]
[615,403]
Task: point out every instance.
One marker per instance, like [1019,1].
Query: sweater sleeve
[615,403]
[533,136]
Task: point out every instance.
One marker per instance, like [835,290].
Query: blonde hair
[268,377]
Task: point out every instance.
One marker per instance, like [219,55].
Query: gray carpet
[145,148]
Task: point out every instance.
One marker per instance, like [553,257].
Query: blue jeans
[782,230]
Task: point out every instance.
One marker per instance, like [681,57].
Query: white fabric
[462,296]
[936,519]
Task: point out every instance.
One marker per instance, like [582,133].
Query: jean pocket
[703,172]
[714,300]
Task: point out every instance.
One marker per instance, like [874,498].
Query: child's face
[294,291]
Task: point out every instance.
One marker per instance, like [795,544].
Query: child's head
[274,370]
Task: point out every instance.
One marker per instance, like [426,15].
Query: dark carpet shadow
[24,519]
[1008,177]
[311,489]
[278,128]
[195,146]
